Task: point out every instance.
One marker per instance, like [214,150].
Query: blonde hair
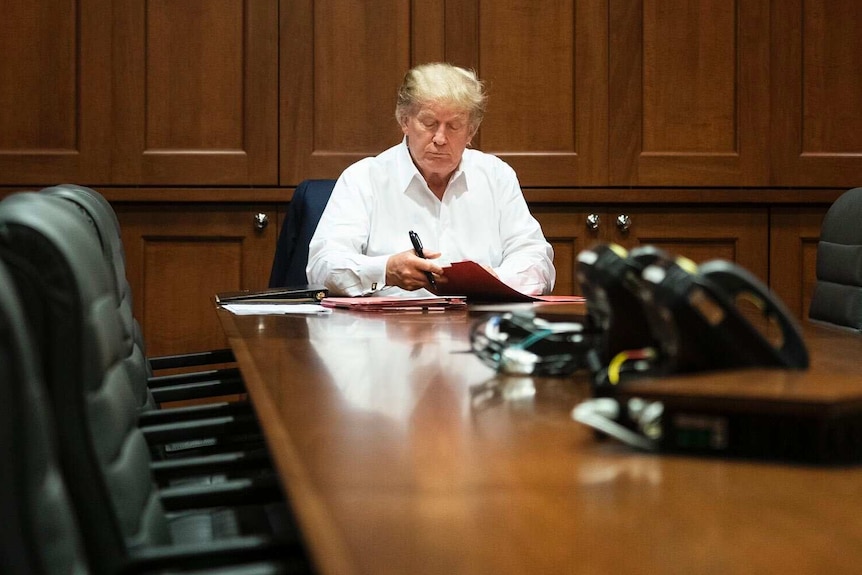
[441,83]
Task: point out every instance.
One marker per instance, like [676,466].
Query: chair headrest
[841,225]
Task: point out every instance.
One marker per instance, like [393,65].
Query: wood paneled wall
[718,128]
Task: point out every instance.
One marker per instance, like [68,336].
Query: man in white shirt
[464,204]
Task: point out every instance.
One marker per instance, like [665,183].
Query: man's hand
[407,270]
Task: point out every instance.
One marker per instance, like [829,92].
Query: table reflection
[386,365]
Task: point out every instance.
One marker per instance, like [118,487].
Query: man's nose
[440,136]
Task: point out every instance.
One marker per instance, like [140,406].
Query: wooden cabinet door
[816,135]
[55,102]
[195,92]
[566,230]
[689,92]
[341,64]
[545,66]
[178,258]
[739,235]
[701,234]
[794,233]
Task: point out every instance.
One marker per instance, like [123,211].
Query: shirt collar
[407,170]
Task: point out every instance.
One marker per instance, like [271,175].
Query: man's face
[437,136]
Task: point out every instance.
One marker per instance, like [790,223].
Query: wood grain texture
[55,99]
[546,69]
[196,92]
[176,265]
[794,233]
[689,95]
[341,64]
[816,87]
[428,462]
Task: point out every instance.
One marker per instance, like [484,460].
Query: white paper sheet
[276,308]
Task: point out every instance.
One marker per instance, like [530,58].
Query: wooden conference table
[404,454]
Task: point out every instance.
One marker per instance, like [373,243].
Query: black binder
[302,294]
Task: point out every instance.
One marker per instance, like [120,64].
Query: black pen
[417,247]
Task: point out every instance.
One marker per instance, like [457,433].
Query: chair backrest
[837,294]
[99,213]
[71,304]
[38,531]
[303,214]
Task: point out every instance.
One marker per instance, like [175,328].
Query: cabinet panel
[341,63]
[178,258]
[549,120]
[817,87]
[548,111]
[565,230]
[689,103]
[54,96]
[737,235]
[794,233]
[196,92]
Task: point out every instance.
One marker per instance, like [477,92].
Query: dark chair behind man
[837,295]
[303,214]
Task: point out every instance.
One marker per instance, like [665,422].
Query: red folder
[477,284]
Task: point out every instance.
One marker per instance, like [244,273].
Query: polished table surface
[403,453]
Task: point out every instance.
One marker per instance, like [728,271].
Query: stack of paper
[275,308]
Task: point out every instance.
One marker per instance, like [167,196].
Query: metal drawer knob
[624,222]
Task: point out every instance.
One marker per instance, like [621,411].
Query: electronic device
[521,343]
[609,278]
[717,316]
[707,319]
[768,415]
[663,314]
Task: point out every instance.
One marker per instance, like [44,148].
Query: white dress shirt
[482,217]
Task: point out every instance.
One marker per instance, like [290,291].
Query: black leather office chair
[837,295]
[303,214]
[175,430]
[38,531]
[175,387]
[69,301]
